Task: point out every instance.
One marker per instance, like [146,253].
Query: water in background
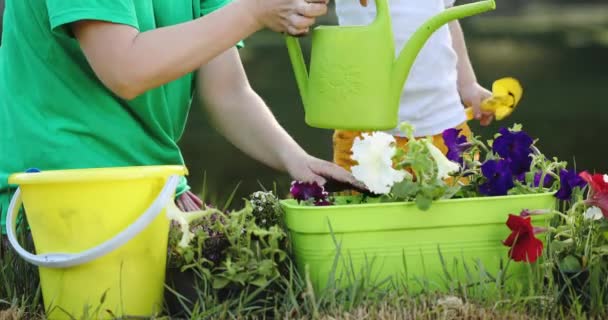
[563,106]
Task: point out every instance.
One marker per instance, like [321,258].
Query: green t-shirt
[56,114]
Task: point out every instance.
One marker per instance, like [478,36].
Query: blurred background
[558,49]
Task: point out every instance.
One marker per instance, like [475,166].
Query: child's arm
[130,62]
[243,118]
[471,93]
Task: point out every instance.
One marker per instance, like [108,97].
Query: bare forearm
[246,122]
[466,74]
[188,46]
[141,61]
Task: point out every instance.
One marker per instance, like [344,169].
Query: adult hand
[473,95]
[291,16]
[310,169]
[294,17]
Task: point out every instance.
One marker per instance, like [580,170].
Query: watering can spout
[299,67]
[410,51]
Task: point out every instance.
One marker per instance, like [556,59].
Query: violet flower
[516,148]
[499,178]
[548,181]
[455,143]
[303,191]
[569,180]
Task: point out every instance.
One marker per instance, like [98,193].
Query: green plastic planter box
[398,243]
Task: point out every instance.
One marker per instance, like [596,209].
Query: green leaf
[603,250]
[423,202]
[399,154]
[259,282]
[530,177]
[241,278]
[560,246]
[570,264]
[265,267]
[188,256]
[405,189]
[516,127]
[450,192]
[220,283]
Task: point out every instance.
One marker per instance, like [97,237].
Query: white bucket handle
[64,260]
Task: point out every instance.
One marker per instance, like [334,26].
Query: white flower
[183,219]
[374,155]
[593,213]
[606,178]
[444,165]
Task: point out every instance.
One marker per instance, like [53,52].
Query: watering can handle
[64,260]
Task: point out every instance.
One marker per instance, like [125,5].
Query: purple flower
[499,178]
[548,180]
[303,191]
[456,144]
[516,148]
[569,180]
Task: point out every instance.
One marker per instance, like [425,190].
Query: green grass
[362,296]
[292,297]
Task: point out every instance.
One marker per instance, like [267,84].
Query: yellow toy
[506,94]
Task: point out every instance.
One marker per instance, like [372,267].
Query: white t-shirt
[430,99]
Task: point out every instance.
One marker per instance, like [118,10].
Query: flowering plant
[234,251]
[508,164]
[420,172]
[578,238]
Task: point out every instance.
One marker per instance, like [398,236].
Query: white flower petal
[593,213]
[374,155]
[444,165]
[606,178]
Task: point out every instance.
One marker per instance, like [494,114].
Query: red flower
[524,245]
[598,194]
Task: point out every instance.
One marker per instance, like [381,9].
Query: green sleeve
[182,187]
[208,6]
[63,12]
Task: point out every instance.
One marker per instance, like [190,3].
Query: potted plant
[428,216]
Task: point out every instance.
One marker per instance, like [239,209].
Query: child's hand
[472,96]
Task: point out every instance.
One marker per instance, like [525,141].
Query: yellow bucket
[98,255]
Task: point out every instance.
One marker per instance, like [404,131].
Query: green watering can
[355,83]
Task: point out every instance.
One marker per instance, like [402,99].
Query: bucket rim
[96,174]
